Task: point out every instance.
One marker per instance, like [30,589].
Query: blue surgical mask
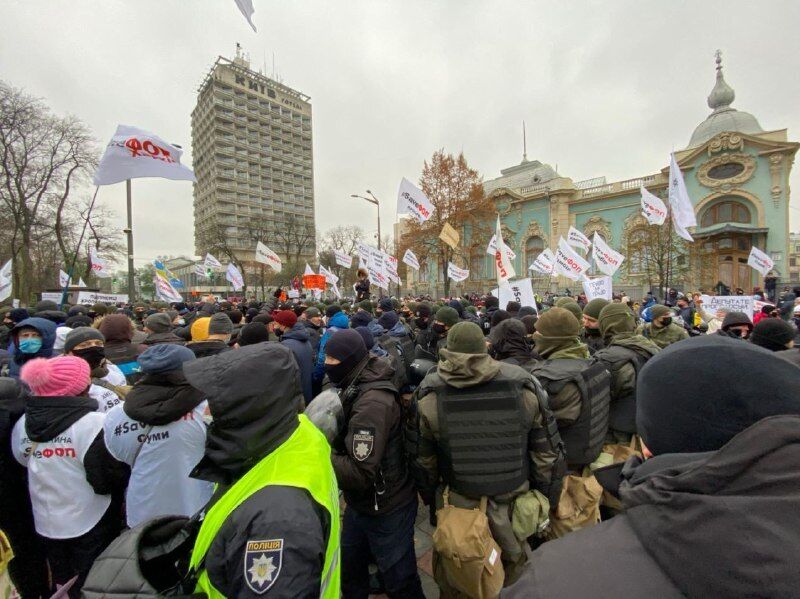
[30,345]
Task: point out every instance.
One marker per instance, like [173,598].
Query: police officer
[272,527]
[370,465]
[521,452]
[579,393]
[625,354]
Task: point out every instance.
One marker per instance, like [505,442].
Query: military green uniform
[624,356]
[519,453]
[663,336]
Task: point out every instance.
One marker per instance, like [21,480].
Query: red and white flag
[100,267]
[411,200]
[653,209]
[411,259]
[268,257]
[505,270]
[569,263]
[607,259]
[577,239]
[760,261]
[134,153]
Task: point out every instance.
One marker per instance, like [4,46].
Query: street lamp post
[373,200]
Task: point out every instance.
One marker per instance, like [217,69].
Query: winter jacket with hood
[47,330]
[71,474]
[337,322]
[209,347]
[296,339]
[254,396]
[168,337]
[159,432]
[372,409]
[509,344]
[120,350]
[314,335]
[717,524]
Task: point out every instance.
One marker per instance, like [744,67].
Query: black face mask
[337,372]
[422,323]
[93,355]
[439,329]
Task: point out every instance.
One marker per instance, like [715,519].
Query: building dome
[723,117]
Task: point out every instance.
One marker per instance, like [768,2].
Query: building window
[726,212]
[475,264]
[533,247]
[638,243]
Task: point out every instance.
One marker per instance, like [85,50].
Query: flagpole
[129,231]
[78,249]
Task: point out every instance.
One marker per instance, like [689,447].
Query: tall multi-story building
[252,156]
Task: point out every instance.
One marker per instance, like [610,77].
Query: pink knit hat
[63,376]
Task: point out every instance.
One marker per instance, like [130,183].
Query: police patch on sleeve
[363,441]
[262,564]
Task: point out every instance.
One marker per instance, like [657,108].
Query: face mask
[93,355]
[336,373]
[31,345]
[439,329]
[421,322]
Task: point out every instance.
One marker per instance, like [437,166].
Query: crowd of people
[613,448]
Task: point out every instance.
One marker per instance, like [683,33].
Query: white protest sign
[760,261]
[200,270]
[577,239]
[63,279]
[268,257]
[363,254]
[607,259]
[52,296]
[599,287]
[653,209]
[568,262]
[391,264]
[516,291]
[734,303]
[134,152]
[544,263]
[343,259]
[329,276]
[410,259]
[456,273]
[411,200]
[5,281]
[376,268]
[88,298]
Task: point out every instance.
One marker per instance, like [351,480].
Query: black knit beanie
[348,347]
[696,395]
[772,334]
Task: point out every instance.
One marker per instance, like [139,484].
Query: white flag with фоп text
[568,262]
[682,210]
[63,279]
[100,267]
[653,209]
[577,239]
[6,280]
[760,261]
[268,257]
[545,262]
[492,248]
[133,153]
[608,260]
[411,200]
[505,270]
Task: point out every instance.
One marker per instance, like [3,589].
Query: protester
[720,423]
[435,338]
[369,462]
[736,324]
[312,320]
[117,329]
[252,333]
[773,334]
[210,335]
[31,338]
[337,321]
[263,455]
[362,285]
[87,344]
[508,343]
[159,432]
[28,569]
[71,475]
[158,327]
[293,335]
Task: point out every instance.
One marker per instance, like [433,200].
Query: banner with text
[599,287]
[734,303]
[456,273]
[516,291]
[607,259]
[411,200]
[268,257]
[568,262]
[343,259]
[411,259]
[544,263]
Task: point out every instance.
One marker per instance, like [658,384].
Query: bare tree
[42,157]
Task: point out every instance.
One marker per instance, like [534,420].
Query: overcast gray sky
[606,87]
